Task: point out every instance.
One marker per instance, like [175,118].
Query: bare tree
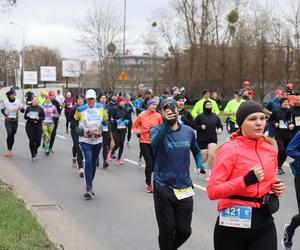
[100,28]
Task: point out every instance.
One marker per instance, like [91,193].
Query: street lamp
[23,55]
[124,34]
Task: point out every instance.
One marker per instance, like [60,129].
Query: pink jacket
[232,162]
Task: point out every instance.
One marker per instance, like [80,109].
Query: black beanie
[247,108]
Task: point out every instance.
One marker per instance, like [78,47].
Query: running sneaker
[33,158]
[280,171]
[74,162]
[120,162]
[287,241]
[81,172]
[140,162]
[109,157]
[51,150]
[93,193]
[8,154]
[105,164]
[128,144]
[88,195]
[149,189]
[114,155]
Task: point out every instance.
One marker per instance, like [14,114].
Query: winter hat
[246,109]
[10,92]
[150,102]
[179,97]
[206,110]
[282,100]
[120,99]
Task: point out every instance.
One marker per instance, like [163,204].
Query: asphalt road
[122,215]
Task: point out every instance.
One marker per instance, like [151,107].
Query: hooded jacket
[232,163]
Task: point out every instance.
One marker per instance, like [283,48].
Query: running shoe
[33,158]
[93,193]
[88,195]
[149,189]
[280,171]
[120,162]
[128,144]
[140,162]
[8,154]
[105,164]
[81,172]
[287,241]
[109,157]
[74,163]
[51,150]
[114,156]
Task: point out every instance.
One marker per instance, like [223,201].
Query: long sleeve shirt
[172,155]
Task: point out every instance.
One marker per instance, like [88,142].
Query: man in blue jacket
[173,187]
[293,150]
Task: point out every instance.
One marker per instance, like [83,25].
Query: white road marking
[195,185]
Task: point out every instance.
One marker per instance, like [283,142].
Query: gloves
[126,122]
[250,178]
[200,170]
[138,135]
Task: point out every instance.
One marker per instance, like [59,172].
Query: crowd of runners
[242,173]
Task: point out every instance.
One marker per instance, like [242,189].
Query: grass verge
[19,229]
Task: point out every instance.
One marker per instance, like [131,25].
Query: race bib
[33,114]
[179,119]
[297,120]
[184,193]
[48,119]
[12,115]
[105,128]
[121,125]
[237,216]
[282,124]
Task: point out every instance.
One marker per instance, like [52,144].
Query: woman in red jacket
[244,172]
[141,127]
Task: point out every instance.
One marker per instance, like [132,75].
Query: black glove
[138,135]
[250,178]
[202,171]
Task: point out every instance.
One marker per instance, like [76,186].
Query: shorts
[204,144]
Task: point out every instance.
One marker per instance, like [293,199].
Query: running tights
[34,133]
[76,151]
[147,153]
[11,129]
[68,119]
[282,145]
[119,138]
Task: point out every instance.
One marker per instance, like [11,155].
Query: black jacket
[118,113]
[212,122]
[282,116]
[186,117]
[41,115]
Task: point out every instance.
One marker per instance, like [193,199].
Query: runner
[173,187]
[138,104]
[208,126]
[184,116]
[60,98]
[141,127]
[273,105]
[55,119]
[90,130]
[120,118]
[76,151]
[48,123]
[244,170]
[68,104]
[198,108]
[10,110]
[296,112]
[34,115]
[231,108]
[248,92]
[42,97]
[293,150]
[283,125]
[130,109]
[28,96]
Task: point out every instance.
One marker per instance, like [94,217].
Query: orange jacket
[233,161]
[144,122]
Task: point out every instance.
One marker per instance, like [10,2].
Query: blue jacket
[172,155]
[293,149]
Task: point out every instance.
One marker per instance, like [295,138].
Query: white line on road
[195,185]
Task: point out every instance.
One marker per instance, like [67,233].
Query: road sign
[30,77]
[123,76]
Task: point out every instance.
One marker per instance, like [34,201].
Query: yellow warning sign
[123,76]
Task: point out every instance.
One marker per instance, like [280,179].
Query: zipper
[260,164]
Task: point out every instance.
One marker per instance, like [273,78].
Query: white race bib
[12,115]
[237,216]
[48,119]
[33,114]
[121,125]
[297,121]
[105,128]
[282,124]
[184,193]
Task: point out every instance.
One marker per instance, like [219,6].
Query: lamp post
[124,34]
[23,55]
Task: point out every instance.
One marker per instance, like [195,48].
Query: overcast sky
[52,23]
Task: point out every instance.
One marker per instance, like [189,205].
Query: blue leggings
[11,129]
[91,153]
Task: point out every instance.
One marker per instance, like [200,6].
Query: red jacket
[144,122]
[232,162]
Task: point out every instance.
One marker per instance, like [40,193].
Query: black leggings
[106,144]
[11,129]
[68,119]
[34,133]
[282,144]
[53,134]
[147,153]
[174,217]
[119,138]
[76,150]
[129,127]
[295,222]
[262,238]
